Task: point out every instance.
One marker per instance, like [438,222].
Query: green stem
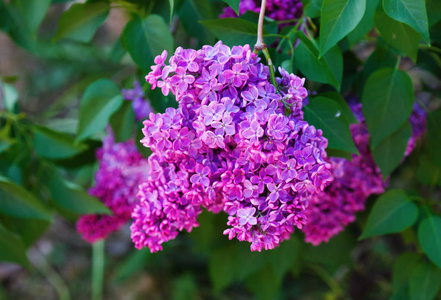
[54,279]
[328,279]
[270,66]
[97,269]
[431,48]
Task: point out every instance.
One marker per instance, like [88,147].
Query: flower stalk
[260,44]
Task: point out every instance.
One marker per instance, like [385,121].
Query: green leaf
[33,11]
[425,281]
[334,58]
[339,153]
[366,24]
[327,115]
[380,58]
[61,145]
[138,137]
[284,257]
[13,23]
[100,100]
[387,103]
[392,212]
[434,135]
[402,270]
[80,22]
[123,122]
[160,102]
[344,106]
[234,4]
[220,267]
[411,12]
[306,56]
[338,251]
[390,152]
[18,202]
[429,236]
[147,38]
[338,18]
[29,231]
[12,248]
[72,198]
[133,264]
[193,11]
[264,284]
[398,34]
[433,11]
[233,31]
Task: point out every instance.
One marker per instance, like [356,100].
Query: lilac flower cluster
[121,169]
[228,146]
[278,10]
[141,105]
[354,181]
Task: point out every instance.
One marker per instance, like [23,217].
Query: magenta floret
[228,146]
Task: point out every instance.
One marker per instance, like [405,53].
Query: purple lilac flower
[209,152]
[121,170]
[141,105]
[330,211]
[278,10]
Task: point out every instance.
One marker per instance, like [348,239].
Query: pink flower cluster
[228,146]
[275,9]
[121,169]
[354,181]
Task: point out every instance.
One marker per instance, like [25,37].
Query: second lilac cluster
[228,146]
[121,169]
[354,181]
[278,10]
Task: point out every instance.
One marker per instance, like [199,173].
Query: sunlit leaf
[100,100]
[81,20]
